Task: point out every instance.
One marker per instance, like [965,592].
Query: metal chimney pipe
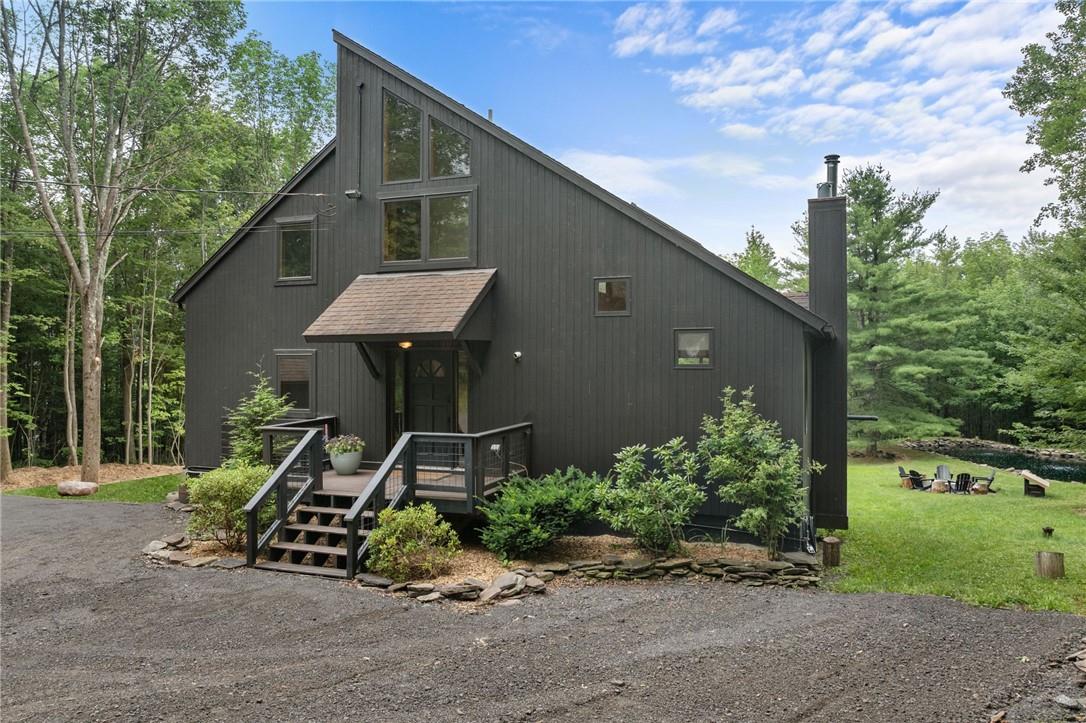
[831,172]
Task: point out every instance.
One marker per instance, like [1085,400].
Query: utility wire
[145,232]
[167,189]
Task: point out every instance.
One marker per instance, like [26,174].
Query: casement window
[403,145]
[693,348]
[296,250]
[295,370]
[435,229]
[612,295]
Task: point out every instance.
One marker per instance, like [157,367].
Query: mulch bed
[108,473]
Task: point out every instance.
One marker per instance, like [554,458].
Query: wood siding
[590,384]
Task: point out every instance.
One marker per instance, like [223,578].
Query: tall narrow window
[449,226]
[693,348]
[612,296]
[294,378]
[402,140]
[403,230]
[296,251]
[450,151]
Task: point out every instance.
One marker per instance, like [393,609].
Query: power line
[146,232]
[168,189]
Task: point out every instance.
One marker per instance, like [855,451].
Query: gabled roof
[183,290]
[798,297]
[387,307]
[670,233]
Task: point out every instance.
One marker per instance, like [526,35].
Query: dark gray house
[456,281]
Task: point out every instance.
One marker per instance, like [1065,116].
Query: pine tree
[758,259]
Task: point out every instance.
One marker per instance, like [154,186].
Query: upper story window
[450,151]
[402,140]
[435,228]
[693,348]
[294,372]
[296,252]
[612,296]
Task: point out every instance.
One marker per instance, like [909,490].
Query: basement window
[693,348]
[612,295]
[294,372]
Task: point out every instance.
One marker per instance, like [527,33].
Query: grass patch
[150,489]
[978,549]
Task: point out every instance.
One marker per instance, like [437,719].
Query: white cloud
[743,131]
[719,20]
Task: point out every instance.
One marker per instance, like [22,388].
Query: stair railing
[292,482]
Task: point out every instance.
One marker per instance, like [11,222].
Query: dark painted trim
[670,233]
[596,297]
[429,151]
[422,140]
[479,298]
[425,196]
[675,348]
[370,365]
[178,296]
[280,222]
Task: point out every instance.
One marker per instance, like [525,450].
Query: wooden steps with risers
[302,569]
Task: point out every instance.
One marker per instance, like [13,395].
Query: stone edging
[794,571]
[949,445]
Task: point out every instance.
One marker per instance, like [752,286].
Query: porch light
[404,344]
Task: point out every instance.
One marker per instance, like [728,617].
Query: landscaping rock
[454,590]
[674,563]
[175,505]
[712,571]
[229,563]
[582,564]
[476,583]
[420,588]
[755,575]
[174,538]
[154,545]
[770,565]
[679,572]
[611,559]
[76,488]
[634,566]
[800,559]
[429,597]
[509,603]
[737,569]
[179,556]
[518,585]
[397,587]
[489,594]
[534,584]
[507,580]
[793,571]
[1069,703]
[171,496]
[558,568]
[162,555]
[544,575]
[199,561]
[368,579]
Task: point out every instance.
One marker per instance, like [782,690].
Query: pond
[1058,469]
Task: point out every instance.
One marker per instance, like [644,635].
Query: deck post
[505,458]
[409,470]
[316,462]
[267,437]
[352,549]
[528,451]
[281,501]
[250,537]
[469,473]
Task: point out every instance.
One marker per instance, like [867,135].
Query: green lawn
[151,489]
[978,549]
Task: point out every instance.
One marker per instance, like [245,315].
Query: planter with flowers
[346,453]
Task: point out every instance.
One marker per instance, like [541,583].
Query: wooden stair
[315,541]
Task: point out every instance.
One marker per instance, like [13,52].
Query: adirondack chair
[919,481]
[962,483]
[943,472]
[989,480]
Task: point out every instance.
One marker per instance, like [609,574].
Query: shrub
[218,498]
[530,513]
[756,468]
[344,444]
[652,505]
[412,543]
[259,409]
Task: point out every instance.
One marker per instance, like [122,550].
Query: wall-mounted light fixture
[353,193]
[405,344]
[516,356]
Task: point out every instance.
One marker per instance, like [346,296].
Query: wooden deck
[452,482]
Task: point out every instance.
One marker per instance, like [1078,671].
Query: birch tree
[125,75]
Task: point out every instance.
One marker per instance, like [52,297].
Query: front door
[431,392]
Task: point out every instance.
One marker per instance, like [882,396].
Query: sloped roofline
[676,237]
[182,291]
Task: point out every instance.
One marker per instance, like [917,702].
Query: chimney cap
[833,158]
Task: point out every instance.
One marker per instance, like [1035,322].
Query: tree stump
[939,486]
[1048,564]
[831,552]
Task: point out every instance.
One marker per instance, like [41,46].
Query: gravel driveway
[91,632]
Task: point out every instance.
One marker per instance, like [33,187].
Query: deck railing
[294,480]
[453,468]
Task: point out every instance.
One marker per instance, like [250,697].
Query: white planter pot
[346,463]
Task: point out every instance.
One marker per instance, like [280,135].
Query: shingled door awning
[403,306]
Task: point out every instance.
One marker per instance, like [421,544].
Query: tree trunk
[6,283]
[151,364]
[92,381]
[126,401]
[71,427]
[1048,565]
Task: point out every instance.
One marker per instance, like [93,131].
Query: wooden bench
[1034,486]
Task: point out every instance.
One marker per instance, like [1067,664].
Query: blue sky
[715,116]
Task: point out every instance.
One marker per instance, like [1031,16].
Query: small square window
[296,251]
[294,378]
[693,348]
[612,296]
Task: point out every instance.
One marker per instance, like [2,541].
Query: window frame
[282,222]
[424,126]
[427,148]
[425,195]
[311,356]
[596,296]
[675,347]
